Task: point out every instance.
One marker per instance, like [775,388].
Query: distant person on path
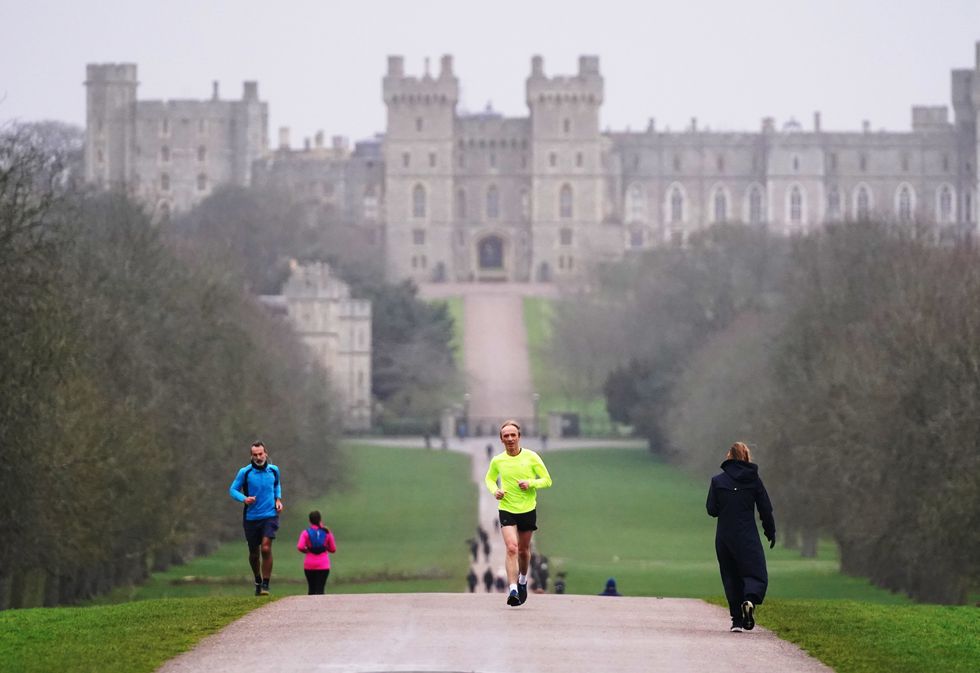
[521,474]
[560,584]
[489,451]
[258,487]
[610,589]
[488,580]
[474,547]
[733,497]
[471,580]
[317,543]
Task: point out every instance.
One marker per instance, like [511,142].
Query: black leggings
[316,580]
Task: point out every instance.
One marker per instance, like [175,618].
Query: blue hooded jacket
[261,482]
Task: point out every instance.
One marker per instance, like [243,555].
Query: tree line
[849,359]
[133,378]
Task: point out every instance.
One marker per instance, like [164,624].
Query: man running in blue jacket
[257,486]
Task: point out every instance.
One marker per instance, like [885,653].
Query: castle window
[832,161]
[755,205]
[165,127]
[165,182]
[202,153]
[795,205]
[99,156]
[567,126]
[418,236]
[636,238]
[100,124]
[202,182]
[967,208]
[565,202]
[796,163]
[721,206]
[676,205]
[833,204]
[677,162]
[636,161]
[570,262]
[863,162]
[579,159]
[424,261]
[565,236]
[636,204]
[863,204]
[418,124]
[493,160]
[525,205]
[406,159]
[945,205]
[415,262]
[720,163]
[461,204]
[432,159]
[905,162]
[165,211]
[165,153]
[945,163]
[552,159]
[418,201]
[493,203]
[905,204]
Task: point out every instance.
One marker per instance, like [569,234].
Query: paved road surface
[445,633]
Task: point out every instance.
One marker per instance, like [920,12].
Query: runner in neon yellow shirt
[521,474]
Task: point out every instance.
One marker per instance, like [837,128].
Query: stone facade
[483,197]
[169,154]
[337,329]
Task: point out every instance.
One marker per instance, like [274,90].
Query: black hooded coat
[733,497]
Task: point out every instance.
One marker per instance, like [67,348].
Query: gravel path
[463,632]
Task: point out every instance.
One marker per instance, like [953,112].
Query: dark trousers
[743,575]
[316,580]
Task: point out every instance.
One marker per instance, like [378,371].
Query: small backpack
[318,539]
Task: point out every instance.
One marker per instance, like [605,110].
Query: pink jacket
[316,561]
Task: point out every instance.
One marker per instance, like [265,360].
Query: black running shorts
[524,522]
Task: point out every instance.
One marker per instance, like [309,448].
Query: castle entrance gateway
[490,258]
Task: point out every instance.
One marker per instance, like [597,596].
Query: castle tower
[567,183]
[110,111]
[249,133]
[418,154]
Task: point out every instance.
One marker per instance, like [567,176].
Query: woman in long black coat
[733,497]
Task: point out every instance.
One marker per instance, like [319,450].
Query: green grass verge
[400,525]
[855,637]
[126,638]
[622,513]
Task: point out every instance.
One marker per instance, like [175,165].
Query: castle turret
[110,111]
[418,151]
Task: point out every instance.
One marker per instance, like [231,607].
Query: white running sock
[513,587]
[522,579]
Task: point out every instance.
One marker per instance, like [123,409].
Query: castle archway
[491,262]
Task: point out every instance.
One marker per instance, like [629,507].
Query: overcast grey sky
[319,64]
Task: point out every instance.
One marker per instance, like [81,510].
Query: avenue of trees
[848,358]
[133,378]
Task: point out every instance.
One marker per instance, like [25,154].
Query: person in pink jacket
[316,543]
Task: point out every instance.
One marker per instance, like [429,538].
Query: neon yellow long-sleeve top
[526,465]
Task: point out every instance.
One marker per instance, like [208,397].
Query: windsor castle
[447,196]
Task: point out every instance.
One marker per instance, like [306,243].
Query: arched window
[833,204]
[461,204]
[165,182]
[525,205]
[720,206]
[795,205]
[905,204]
[202,153]
[202,182]
[565,202]
[636,204]
[418,201]
[165,153]
[945,214]
[863,204]
[493,203]
[755,205]
[676,205]
[967,207]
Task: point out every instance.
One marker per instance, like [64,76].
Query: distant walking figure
[488,580]
[257,486]
[733,497]
[610,589]
[521,474]
[317,543]
[471,580]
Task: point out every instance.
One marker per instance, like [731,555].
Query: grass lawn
[126,638]
[537,321]
[857,637]
[387,537]
[621,513]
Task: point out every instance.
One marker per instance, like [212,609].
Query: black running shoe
[748,615]
[522,592]
[513,600]
[258,588]
[263,590]
[736,626]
